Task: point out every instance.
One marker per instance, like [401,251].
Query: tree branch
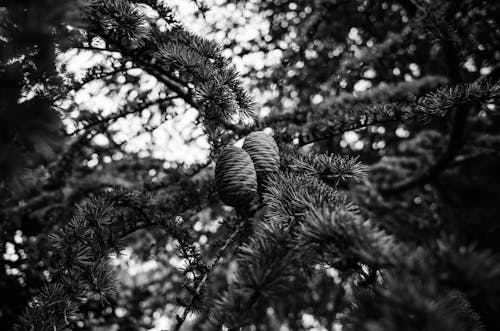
[124,112]
[220,254]
[336,133]
[456,137]
[454,144]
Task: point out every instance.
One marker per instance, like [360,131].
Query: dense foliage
[383,214]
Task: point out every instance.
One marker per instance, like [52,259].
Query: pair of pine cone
[240,173]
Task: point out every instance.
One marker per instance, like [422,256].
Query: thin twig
[220,253]
[96,49]
[122,113]
[351,128]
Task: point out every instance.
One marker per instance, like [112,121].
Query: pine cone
[236,178]
[264,153]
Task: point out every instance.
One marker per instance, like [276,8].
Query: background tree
[382,215]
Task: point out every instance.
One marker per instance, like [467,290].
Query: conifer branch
[93,76]
[97,49]
[311,234]
[82,248]
[314,139]
[191,67]
[101,123]
[455,141]
[220,253]
[332,169]
[336,234]
[464,98]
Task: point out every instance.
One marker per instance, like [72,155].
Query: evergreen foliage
[382,214]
